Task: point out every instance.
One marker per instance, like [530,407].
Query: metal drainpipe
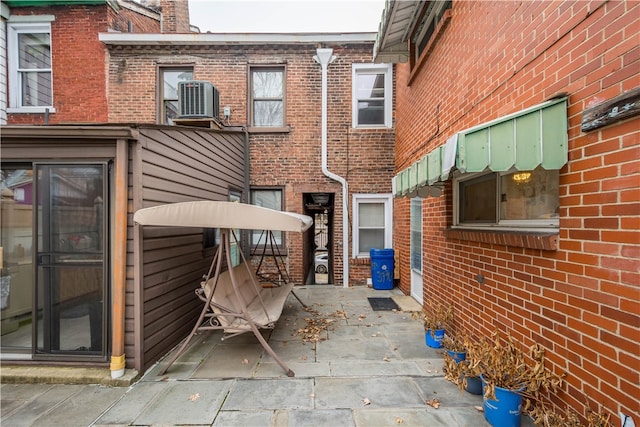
[324,57]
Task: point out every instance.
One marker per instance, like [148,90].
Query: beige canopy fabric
[212,214]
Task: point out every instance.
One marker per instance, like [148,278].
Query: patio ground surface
[368,368]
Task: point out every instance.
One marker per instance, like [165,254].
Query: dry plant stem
[438,316]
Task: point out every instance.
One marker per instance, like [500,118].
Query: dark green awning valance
[524,140]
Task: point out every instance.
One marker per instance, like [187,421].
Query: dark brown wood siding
[177,164]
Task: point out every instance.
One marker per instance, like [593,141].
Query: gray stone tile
[133,403]
[316,418]
[291,351]
[381,392]
[351,349]
[430,367]
[244,418]
[285,393]
[32,410]
[22,391]
[362,368]
[301,370]
[81,409]
[185,402]
[405,417]
[230,360]
[446,392]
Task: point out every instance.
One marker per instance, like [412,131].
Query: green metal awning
[524,140]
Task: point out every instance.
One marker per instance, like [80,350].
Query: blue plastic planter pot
[434,340]
[381,268]
[474,385]
[457,356]
[505,410]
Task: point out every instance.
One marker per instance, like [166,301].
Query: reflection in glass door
[71,258]
[16,274]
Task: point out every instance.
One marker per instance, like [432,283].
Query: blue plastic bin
[381,268]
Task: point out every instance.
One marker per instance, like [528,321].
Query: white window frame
[40,24]
[530,225]
[275,68]
[387,70]
[359,199]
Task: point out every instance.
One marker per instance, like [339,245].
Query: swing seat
[234,300]
[264,305]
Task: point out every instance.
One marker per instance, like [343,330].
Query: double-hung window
[514,199]
[30,69]
[372,223]
[267,96]
[267,198]
[372,95]
[169,77]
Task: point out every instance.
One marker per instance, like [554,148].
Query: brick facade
[287,160]
[580,301]
[79,59]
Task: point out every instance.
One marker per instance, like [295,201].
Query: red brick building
[69,84]
[286,159]
[527,220]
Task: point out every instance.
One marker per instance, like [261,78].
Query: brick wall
[290,160]
[581,301]
[79,60]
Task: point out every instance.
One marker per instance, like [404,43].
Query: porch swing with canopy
[235,300]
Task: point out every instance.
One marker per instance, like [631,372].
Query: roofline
[142,39]
[69,131]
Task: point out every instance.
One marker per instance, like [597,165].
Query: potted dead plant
[511,377]
[454,345]
[464,373]
[436,318]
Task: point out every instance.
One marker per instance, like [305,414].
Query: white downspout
[324,57]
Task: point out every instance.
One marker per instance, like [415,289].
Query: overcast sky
[285,16]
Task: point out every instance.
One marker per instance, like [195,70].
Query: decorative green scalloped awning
[524,140]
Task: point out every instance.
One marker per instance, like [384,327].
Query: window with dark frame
[515,199]
[169,77]
[425,31]
[269,198]
[267,93]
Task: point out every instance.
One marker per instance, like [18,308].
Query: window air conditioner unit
[198,99]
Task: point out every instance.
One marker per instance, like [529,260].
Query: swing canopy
[234,300]
[212,214]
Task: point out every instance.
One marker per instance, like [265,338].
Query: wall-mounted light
[521,177]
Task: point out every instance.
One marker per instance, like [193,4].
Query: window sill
[282,129]
[546,241]
[30,110]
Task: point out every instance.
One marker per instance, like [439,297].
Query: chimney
[175,16]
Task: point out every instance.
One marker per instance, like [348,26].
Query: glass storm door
[416,249]
[71,258]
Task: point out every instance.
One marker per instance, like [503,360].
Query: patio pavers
[378,356]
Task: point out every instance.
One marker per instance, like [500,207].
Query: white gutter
[324,57]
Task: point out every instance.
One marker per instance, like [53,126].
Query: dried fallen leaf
[366,401]
[479,408]
[399,420]
[194,397]
[386,359]
[304,357]
[245,361]
[434,403]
